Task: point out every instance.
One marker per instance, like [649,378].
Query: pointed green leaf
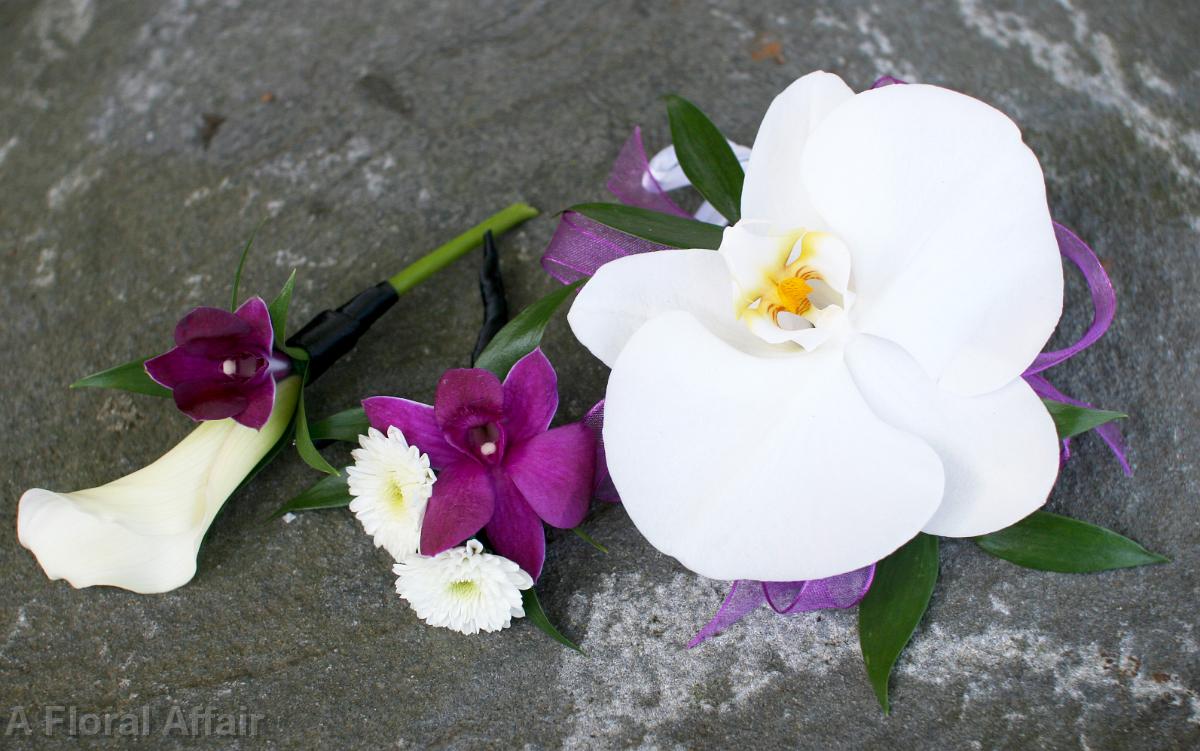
[1071,420]
[1049,542]
[237,276]
[523,334]
[706,157]
[346,426]
[131,376]
[304,443]
[279,308]
[893,607]
[655,226]
[537,616]
[588,539]
[328,492]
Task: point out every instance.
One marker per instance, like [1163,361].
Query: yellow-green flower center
[463,589]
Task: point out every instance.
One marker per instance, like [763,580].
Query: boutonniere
[237,373]
[460,492]
[804,401]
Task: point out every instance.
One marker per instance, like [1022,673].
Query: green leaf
[131,376]
[523,334]
[1049,542]
[893,607]
[537,616]
[304,443]
[328,492]
[588,539]
[706,157]
[1071,420]
[279,308]
[237,277]
[655,226]
[346,426]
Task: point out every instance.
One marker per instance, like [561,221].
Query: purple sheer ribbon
[603,488]
[1104,299]
[1104,308]
[787,598]
[632,182]
[886,81]
[581,245]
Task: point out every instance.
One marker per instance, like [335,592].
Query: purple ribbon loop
[1104,309]
[603,488]
[1104,299]
[632,182]
[787,598]
[581,245]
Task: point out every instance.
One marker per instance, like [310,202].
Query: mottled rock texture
[140,142]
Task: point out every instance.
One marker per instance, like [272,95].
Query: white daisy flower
[391,483]
[463,589]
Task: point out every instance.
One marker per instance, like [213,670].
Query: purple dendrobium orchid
[223,364]
[500,467]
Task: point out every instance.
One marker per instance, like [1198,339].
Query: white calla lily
[142,532]
[845,371]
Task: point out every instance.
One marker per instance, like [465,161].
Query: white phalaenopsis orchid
[143,531]
[846,370]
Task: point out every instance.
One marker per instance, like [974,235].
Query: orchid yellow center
[791,287]
[792,295]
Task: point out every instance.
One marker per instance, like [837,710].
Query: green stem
[437,259]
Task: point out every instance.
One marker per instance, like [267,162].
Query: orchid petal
[746,467]
[751,249]
[210,400]
[999,450]
[629,291]
[467,398]
[256,313]
[530,397]
[211,332]
[178,365]
[515,531]
[142,532]
[554,472]
[260,399]
[944,210]
[462,502]
[418,424]
[772,190]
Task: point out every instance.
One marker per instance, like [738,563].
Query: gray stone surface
[389,127]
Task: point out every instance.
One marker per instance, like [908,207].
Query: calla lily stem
[440,257]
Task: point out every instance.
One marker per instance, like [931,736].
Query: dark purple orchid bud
[223,364]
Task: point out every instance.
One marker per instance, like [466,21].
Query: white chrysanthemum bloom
[463,589]
[391,483]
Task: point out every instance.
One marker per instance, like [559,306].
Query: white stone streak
[638,678]
[45,275]
[7,147]
[75,181]
[1091,66]
[60,23]
[878,48]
